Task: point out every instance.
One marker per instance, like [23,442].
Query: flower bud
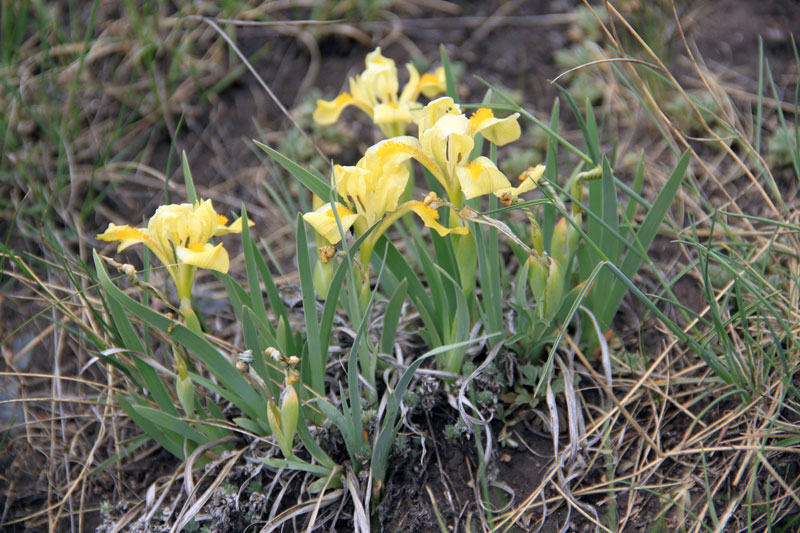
[185,389]
[537,240]
[553,291]
[322,277]
[537,278]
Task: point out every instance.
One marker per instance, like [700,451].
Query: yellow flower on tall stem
[179,235]
[375,92]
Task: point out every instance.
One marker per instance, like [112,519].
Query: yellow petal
[204,255]
[447,141]
[169,226]
[125,234]
[528,180]
[435,110]
[391,112]
[328,111]
[202,222]
[499,131]
[399,149]
[411,89]
[430,218]
[432,84]
[390,184]
[480,177]
[324,222]
[128,236]
[532,175]
[234,227]
[380,76]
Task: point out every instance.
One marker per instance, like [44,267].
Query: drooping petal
[128,236]
[480,177]
[528,181]
[204,255]
[324,221]
[499,131]
[328,111]
[223,228]
[430,218]
[399,149]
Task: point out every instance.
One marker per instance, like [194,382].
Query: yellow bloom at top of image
[179,235]
[375,92]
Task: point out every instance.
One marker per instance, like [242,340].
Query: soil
[511,44]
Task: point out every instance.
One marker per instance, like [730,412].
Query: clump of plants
[493,268]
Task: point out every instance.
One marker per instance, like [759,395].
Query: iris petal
[204,255]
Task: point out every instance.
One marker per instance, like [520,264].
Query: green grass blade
[312,182]
[594,156]
[257,303]
[644,237]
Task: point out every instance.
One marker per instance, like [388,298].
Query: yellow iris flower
[446,138]
[372,189]
[178,236]
[375,92]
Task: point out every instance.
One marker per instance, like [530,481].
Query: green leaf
[341,422]
[391,317]
[173,423]
[298,464]
[248,425]
[586,130]
[225,372]
[450,80]
[191,194]
[152,382]
[256,297]
[312,182]
[127,333]
[170,440]
[317,358]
